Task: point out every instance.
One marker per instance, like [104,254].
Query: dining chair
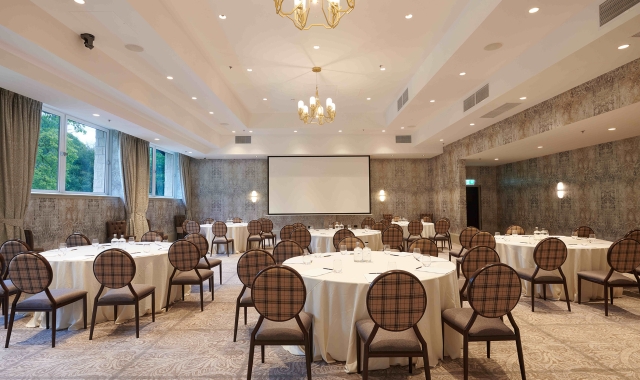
[285,232]
[249,265]
[115,269]
[220,237]
[205,262]
[286,324]
[379,226]
[368,221]
[302,236]
[442,232]
[385,222]
[623,257]
[31,273]
[208,221]
[388,217]
[77,239]
[237,220]
[493,292]
[255,229]
[10,249]
[634,234]
[351,242]
[287,249]
[476,258]
[426,246]
[415,232]
[339,236]
[184,256]
[151,236]
[191,227]
[7,289]
[267,232]
[396,301]
[513,229]
[427,219]
[178,221]
[465,242]
[584,231]
[393,237]
[30,240]
[480,239]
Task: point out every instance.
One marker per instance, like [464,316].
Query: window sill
[42,194]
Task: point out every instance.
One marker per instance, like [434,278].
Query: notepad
[316,272]
[437,270]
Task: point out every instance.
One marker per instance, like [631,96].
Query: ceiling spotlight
[249,70]
[96,115]
[340,131]
[441,140]
[316,47]
[368,98]
[382,68]
[383,130]
[210,112]
[523,98]
[250,131]
[223,17]
[79,1]
[157,139]
[264,98]
[409,16]
[622,47]
[612,129]
[540,147]
[495,159]
[493,46]
[194,98]
[170,77]
[463,74]
[233,131]
[295,131]
[472,124]
[401,127]
[534,10]
[432,101]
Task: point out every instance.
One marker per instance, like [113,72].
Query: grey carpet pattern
[188,344]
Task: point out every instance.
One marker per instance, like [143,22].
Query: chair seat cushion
[40,301]
[246,300]
[221,241]
[542,276]
[212,263]
[123,295]
[413,238]
[284,331]
[458,253]
[441,237]
[481,327]
[267,235]
[403,341]
[615,279]
[254,238]
[191,278]
[12,288]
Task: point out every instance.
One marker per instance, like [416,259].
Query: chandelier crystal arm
[300,13]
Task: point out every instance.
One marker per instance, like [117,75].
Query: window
[162,166]
[72,155]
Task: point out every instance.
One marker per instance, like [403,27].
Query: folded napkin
[294,260]
[316,272]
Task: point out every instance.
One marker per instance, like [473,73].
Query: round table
[428,229]
[517,251]
[236,231]
[322,240]
[338,300]
[74,270]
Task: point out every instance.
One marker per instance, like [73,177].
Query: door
[473,206]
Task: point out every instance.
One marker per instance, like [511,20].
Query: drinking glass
[63,249]
[387,249]
[147,248]
[513,233]
[158,240]
[425,260]
[306,259]
[497,235]
[337,266]
[574,235]
[366,228]
[343,249]
[592,238]
[391,265]
[95,243]
[132,241]
[416,251]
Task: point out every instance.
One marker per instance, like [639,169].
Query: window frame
[152,174]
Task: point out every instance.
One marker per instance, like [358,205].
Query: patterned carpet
[186,343]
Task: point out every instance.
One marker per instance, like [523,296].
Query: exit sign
[471,182]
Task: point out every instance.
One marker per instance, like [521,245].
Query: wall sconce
[383,196]
[254,196]
[560,190]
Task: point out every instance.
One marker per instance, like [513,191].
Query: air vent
[469,102]
[500,110]
[476,98]
[404,139]
[611,9]
[403,99]
[399,103]
[243,139]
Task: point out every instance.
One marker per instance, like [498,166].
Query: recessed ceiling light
[79,1]
[523,98]
[540,147]
[295,131]
[264,98]
[170,77]
[612,129]
[401,127]
[157,139]
[250,131]
[495,159]
[472,124]
[493,46]
[432,101]
[96,115]
[409,16]
[463,73]
[383,130]
[233,131]
[340,131]
[441,139]
[249,70]
[190,152]
[368,98]
[621,47]
[382,68]
[210,112]
[194,98]
[135,48]
[534,10]
[316,47]
[223,17]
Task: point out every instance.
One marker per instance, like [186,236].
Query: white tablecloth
[338,300]
[428,229]
[517,251]
[322,240]
[236,231]
[75,271]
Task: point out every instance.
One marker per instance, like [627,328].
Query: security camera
[88,39]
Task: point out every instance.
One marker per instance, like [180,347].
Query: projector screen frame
[324,213]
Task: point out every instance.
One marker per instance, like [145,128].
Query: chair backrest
[184,255]
[550,254]
[219,229]
[442,226]
[396,300]
[191,227]
[116,227]
[30,272]
[298,225]
[77,239]
[351,242]
[427,247]
[287,249]
[385,222]
[387,217]
[267,225]
[466,235]
[379,226]
[340,235]
[114,268]
[11,248]
[514,230]
[623,255]
[392,225]
[3,267]
[368,221]
[415,227]
[28,238]
[208,221]
[278,293]
[393,237]
[151,236]
[427,219]
[178,220]
[254,227]
[494,290]
[584,231]
[476,258]
[200,241]
[285,232]
[301,236]
[426,215]
[635,235]
[251,263]
[483,239]
[237,220]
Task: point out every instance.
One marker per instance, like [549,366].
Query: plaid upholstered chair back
[550,254]
[301,236]
[254,228]
[30,272]
[251,263]
[298,225]
[278,293]
[151,236]
[396,300]
[396,218]
[623,255]
[427,247]
[200,242]
[427,219]
[339,236]
[494,290]
[208,221]
[3,267]
[219,229]
[466,235]
[379,226]
[385,222]
[184,255]
[237,220]
[77,240]
[287,249]
[11,248]
[393,237]
[285,232]
[635,235]
[483,239]
[368,221]
[427,215]
[515,230]
[584,231]
[388,217]
[415,227]
[476,258]
[351,242]
[117,227]
[442,226]
[267,225]
[114,268]
[191,227]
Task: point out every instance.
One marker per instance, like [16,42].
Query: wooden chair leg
[566,295]
[309,356]
[611,294]
[212,287]
[465,357]
[137,315]
[5,310]
[182,294]
[544,291]
[579,290]
[47,318]
[488,349]
[84,311]
[235,328]
[365,369]
[533,295]
[427,367]
[606,300]
[93,318]
[168,296]
[520,357]
[251,353]
[153,306]
[410,365]
[11,319]
[220,273]
[53,328]
[262,353]
[201,296]
[115,313]
[245,315]
[358,366]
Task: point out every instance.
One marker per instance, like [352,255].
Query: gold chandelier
[301,8]
[314,113]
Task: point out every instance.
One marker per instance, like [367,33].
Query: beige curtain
[19,133]
[185,179]
[134,158]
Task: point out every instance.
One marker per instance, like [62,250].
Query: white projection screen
[319,185]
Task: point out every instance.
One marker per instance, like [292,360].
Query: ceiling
[542,54]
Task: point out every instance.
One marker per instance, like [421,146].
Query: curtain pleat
[134,157]
[185,178]
[19,133]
